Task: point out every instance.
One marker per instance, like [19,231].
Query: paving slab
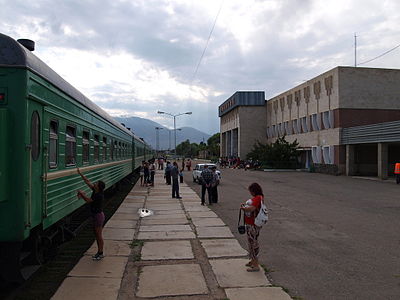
[164,235]
[257,293]
[201,222]
[121,224]
[118,234]
[166,216]
[175,221]
[171,280]
[197,208]
[159,207]
[88,289]
[130,210]
[223,248]
[232,273]
[214,232]
[129,217]
[109,266]
[112,248]
[135,197]
[176,250]
[145,228]
[177,212]
[141,201]
[203,214]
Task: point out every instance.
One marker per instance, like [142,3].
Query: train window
[112,150]
[70,146]
[104,148]
[120,150]
[116,149]
[35,135]
[96,147]
[85,146]
[53,145]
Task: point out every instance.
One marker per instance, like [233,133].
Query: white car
[199,168]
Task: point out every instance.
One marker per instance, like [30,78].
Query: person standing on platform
[96,209]
[167,173]
[214,185]
[251,208]
[152,169]
[146,173]
[141,173]
[397,172]
[175,182]
[206,179]
[188,164]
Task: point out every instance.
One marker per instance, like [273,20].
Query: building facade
[345,120]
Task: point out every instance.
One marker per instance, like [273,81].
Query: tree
[280,154]
[213,144]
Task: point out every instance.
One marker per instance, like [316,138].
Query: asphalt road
[329,237]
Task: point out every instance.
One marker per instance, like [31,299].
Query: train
[48,129]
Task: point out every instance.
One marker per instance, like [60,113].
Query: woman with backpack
[251,209]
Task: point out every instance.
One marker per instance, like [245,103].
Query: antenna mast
[355,50]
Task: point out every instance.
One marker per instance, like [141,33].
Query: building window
[35,135]
[53,145]
[104,148]
[70,146]
[85,147]
[96,147]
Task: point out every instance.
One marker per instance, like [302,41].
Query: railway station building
[346,120]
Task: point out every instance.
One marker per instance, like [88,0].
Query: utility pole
[355,49]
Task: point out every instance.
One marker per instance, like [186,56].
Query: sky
[137,57]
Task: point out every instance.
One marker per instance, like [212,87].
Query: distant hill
[145,129]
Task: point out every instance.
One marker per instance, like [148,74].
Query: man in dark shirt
[168,173]
[175,182]
[96,208]
[206,181]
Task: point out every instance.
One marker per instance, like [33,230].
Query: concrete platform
[108,267]
[207,222]
[159,207]
[163,221]
[176,250]
[112,248]
[257,293]
[223,248]
[232,273]
[121,224]
[159,228]
[118,234]
[173,235]
[169,212]
[196,208]
[160,215]
[214,232]
[88,289]
[202,214]
[171,280]
[131,217]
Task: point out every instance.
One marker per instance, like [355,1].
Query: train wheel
[37,246]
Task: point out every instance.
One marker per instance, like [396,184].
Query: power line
[208,40]
[367,61]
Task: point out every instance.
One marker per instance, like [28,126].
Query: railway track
[44,280]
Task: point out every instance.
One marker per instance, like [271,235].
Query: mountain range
[146,129]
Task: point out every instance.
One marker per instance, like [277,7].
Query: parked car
[199,168]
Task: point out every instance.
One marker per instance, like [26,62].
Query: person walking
[206,179]
[175,182]
[214,185]
[251,208]
[167,173]
[96,209]
[146,172]
[397,172]
[188,164]
[152,169]
[141,173]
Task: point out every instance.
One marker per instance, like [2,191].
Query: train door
[35,163]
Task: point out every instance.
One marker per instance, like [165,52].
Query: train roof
[12,53]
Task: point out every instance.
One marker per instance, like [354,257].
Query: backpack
[262,217]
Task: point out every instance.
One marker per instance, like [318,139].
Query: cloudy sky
[135,57]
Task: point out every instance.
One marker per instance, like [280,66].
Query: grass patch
[137,257]
[136,243]
[267,270]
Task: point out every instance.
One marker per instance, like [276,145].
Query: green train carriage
[47,129]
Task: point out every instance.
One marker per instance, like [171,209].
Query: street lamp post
[174,116]
[157,137]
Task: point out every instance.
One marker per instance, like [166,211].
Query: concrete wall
[253,127]
[368,88]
